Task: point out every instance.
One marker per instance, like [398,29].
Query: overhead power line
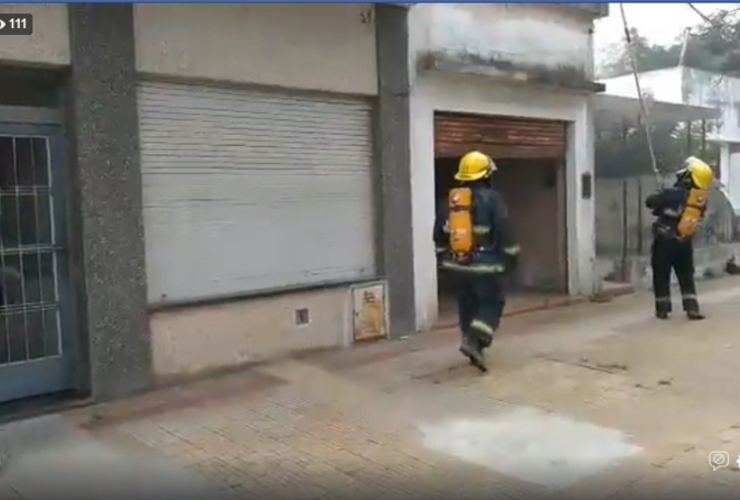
[708,19]
[701,14]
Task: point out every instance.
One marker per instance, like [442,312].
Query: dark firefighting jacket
[667,206]
[495,248]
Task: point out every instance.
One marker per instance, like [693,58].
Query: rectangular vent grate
[301,316]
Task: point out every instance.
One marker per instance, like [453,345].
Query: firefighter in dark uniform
[490,252]
[678,211]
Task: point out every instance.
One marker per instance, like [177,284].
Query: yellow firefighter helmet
[474,166]
[700,173]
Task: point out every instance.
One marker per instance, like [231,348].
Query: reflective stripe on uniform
[482,327]
[512,250]
[480,230]
[671,213]
[690,296]
[440,249]
[474,268]
[662,299]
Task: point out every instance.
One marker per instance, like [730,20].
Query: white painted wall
[524,33]
[717,91]
[328,47]
[663,84]
[733,176]
[49,43]
[471,94]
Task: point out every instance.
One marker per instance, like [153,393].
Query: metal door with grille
[36,348]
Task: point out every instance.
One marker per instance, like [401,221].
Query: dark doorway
[534,191]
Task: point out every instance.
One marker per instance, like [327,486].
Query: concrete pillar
[581,210]
[107,192]
[393,148]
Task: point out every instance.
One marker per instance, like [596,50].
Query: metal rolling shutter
[497,136]
[250,191]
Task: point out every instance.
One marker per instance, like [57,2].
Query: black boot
[691,307]
[485,343]
[472,349]
[662,309]
[695,315]
[466,347]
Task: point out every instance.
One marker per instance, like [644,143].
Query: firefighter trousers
[668,254]
[480,304]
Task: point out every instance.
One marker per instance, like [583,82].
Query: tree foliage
[624,152]
[648,56]
[715,45]
[712,45]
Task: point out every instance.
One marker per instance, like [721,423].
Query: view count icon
[16,24]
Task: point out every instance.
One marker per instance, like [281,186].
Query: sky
[660,23]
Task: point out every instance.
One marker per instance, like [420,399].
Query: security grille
[29,301]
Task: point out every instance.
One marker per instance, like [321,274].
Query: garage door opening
[530,155]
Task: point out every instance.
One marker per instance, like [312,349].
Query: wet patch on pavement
[531,445]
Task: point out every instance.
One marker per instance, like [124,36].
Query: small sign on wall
[586,186]
[369,318]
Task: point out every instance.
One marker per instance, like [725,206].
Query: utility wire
[643,108]
[708,19]
[702,15]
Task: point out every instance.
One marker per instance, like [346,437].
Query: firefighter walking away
[474,242]
[678,211]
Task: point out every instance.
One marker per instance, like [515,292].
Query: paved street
[591,400]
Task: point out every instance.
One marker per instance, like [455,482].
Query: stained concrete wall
[49,43]
[327,47]
[532,34]
[195,340]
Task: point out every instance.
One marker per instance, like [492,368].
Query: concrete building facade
[189,187]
